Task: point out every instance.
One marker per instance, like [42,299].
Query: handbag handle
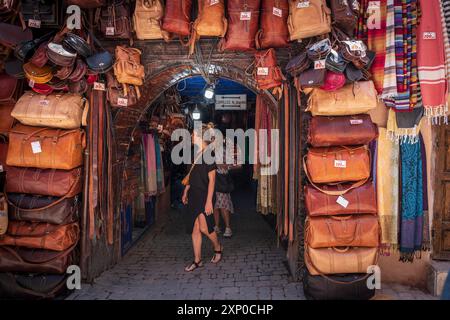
[346,249]
[347,239]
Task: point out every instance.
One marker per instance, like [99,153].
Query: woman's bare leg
[196,245]
[217,217]
[226,217]
[212,236]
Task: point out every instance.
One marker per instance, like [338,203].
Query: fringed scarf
[159,167]
[426,239]
[431,62]
[390,77]
[409,129]
[150,157]
[411,204]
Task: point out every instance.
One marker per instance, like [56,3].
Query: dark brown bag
[273,32]
[31,286]
[19,259]
[177,17]
[116,91]
[298,64]
[345,130]
[43,209]
[243,23]
[51,182]
[7,122]
[344,16]
[12,35]
[267,73]
[311,78]
[115,21]
[39,58]
[8,89]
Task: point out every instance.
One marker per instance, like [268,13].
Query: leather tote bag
[308,18]
[147,20]
[343,231]
[339,260]
[340,200]
[45,148]
[273,32]
[57,110]
[34,208]
[352,99]
[338,164]
[50,182]
[177,17]
[243,24]
[338,131]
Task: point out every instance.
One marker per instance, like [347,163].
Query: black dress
[198,193]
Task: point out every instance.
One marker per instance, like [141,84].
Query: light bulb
[209,93]
[196,114]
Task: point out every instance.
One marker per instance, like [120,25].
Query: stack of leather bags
[342,228]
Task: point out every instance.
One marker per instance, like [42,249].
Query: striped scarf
[376,41]
[445,17]
[390,80]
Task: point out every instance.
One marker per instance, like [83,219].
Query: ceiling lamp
[196,113]
[209,92]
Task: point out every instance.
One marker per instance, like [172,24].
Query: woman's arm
[209,209]
[184,198]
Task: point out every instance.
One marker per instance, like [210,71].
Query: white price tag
[246,15]
[373,5]
[36,147]
[262,71]
[31,83]
[277,12]
[356,121]
[109,31]
[356,46]
[342,201]
[1,168]
[122,102]
[429,36]
[213,2]
[319,64]
[340,163]
[44,103]
[99,86]
[32,23]
[303,4]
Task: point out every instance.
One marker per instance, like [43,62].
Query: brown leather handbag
[341,200]
[37,235]
[267,73]
[8,89]
[19,259]
[46,209]
[338,164]
[115,21]
[343,231]
[177,18]
[128,68]
[57,183]
[344,15]
[308,18]
[116,92]
[273,32]
[243,23]
[45,148]
[87,4]
[147,20]
[7,121]
[336,260]
[338,131]
[39,58]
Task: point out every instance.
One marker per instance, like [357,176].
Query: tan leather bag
[343,231]
[61,110]
[128,68]
[308,18]
[147,20]
[339,260]
[338,164]
[352,99]
[45,148]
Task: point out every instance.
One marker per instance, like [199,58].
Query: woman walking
[199,197]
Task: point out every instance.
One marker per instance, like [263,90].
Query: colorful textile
[445,17]
[431,62]
[387,188]
[404,134]
[411,205]
[390,77]
[159,167]
[376,42]
[150,157]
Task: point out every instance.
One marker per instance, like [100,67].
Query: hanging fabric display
[159,167]
[445,17]
[390,78]
[150,158]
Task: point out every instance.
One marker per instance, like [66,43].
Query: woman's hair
[206,127]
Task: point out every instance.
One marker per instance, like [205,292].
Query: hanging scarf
[411,204]
[445,17]
[159,167]
[387,188]
[150,156]
[431,62]
[408,132]
[426,239]
[390,77]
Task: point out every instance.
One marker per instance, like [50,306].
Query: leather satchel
[19,259]
[273,32]
[63,111]
[59,55]
[23,207]
[341,200]
[36,74]
[308,18]
[357,98]
[338,164]
[343,231]
[8,89]
[338,261]
[38,235]
[100,62]
[147,20]
[243,23]
[115,21]
[267,73]
[7,121]
[87,4]
[45,148]
[298,64]
[116,91]
[310,78]
[338,131]
[56,183]
[177,18]
[344,16]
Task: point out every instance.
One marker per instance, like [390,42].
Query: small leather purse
[36,74]
[79,71]
[312,78]
[298,64]
[64,72]
[335,62]
[319,50]
[73,42]
[39,58]
[100,62]
[60,56]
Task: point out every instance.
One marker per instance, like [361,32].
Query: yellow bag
[147,20]
[36,74]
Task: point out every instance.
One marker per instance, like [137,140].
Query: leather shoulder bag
[59,55]
[298,64]
[8,89]
[308,18]
[36,74]
[78,44]
[116,91]
[39,58]
[147,20]
[273,32]
[115,21]
[177,17]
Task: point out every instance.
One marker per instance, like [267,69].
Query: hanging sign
[231,102]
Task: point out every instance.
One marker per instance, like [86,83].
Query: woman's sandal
[194,265]
[216,253]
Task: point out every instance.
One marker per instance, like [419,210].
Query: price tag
[355,46]
[246,15]
[277,12]
[342,201]
[36,147]
[429,36]
[340,163]
[31,83]
[355,5]
[99,86]
[44,103]
[213,2]
[303,4]
[319,64]
[1,168]
[356,121]
[32,23]
[109,31]
[122,102]
[262,71]
[373,5]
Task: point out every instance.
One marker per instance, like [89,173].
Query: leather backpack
[87,4]
[114,21]
[116,95]
[147,20]
[177,18]
[273,32]
[344,15]
[243,23]
[128,68]
[47,12]
[308,18]
[267,73]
